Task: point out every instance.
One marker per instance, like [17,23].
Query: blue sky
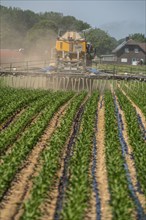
[118,18]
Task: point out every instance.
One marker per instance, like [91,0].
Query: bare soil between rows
[130,161]
[22,184]
[49,207]
[101,172]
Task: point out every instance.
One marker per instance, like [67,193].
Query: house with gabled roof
[130,52]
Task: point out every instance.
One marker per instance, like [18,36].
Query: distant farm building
[130,52]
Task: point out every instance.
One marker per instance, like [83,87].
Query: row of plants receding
[9,135]
[51,161]
[79,182]
[8,94]
[135,138]
[133,92]
[133,89]
[23,99]
[63,179]
[12,162]
[137,94]
[136,86]
[124,149]
[120,201]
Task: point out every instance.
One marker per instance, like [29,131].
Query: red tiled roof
[7,53]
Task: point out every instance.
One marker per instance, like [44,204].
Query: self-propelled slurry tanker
[73,52]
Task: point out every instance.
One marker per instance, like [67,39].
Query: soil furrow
[100,173]
[101,166]
[52,205]
[20,188]
[130,161]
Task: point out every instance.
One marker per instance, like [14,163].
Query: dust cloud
[18,46]
[41,48]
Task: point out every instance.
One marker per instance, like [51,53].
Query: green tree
[80,25]
[100,40]
[39,30]
[138,37]
[14,26]
[46,24]
[68,23]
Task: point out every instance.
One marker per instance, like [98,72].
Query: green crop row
[135,138]
[51,161]
[137,88]
[22,147]
[23,99]
[9,135]
[7,95]
[79,185]
[138,96]
[120,201]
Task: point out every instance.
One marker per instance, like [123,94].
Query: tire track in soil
[129,160]
[138,110]
[53,202]
[21,186]
[92,212]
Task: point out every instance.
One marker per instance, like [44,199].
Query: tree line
[37,32]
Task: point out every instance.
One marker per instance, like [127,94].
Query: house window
[123,60]
[136,50]
[126,50]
